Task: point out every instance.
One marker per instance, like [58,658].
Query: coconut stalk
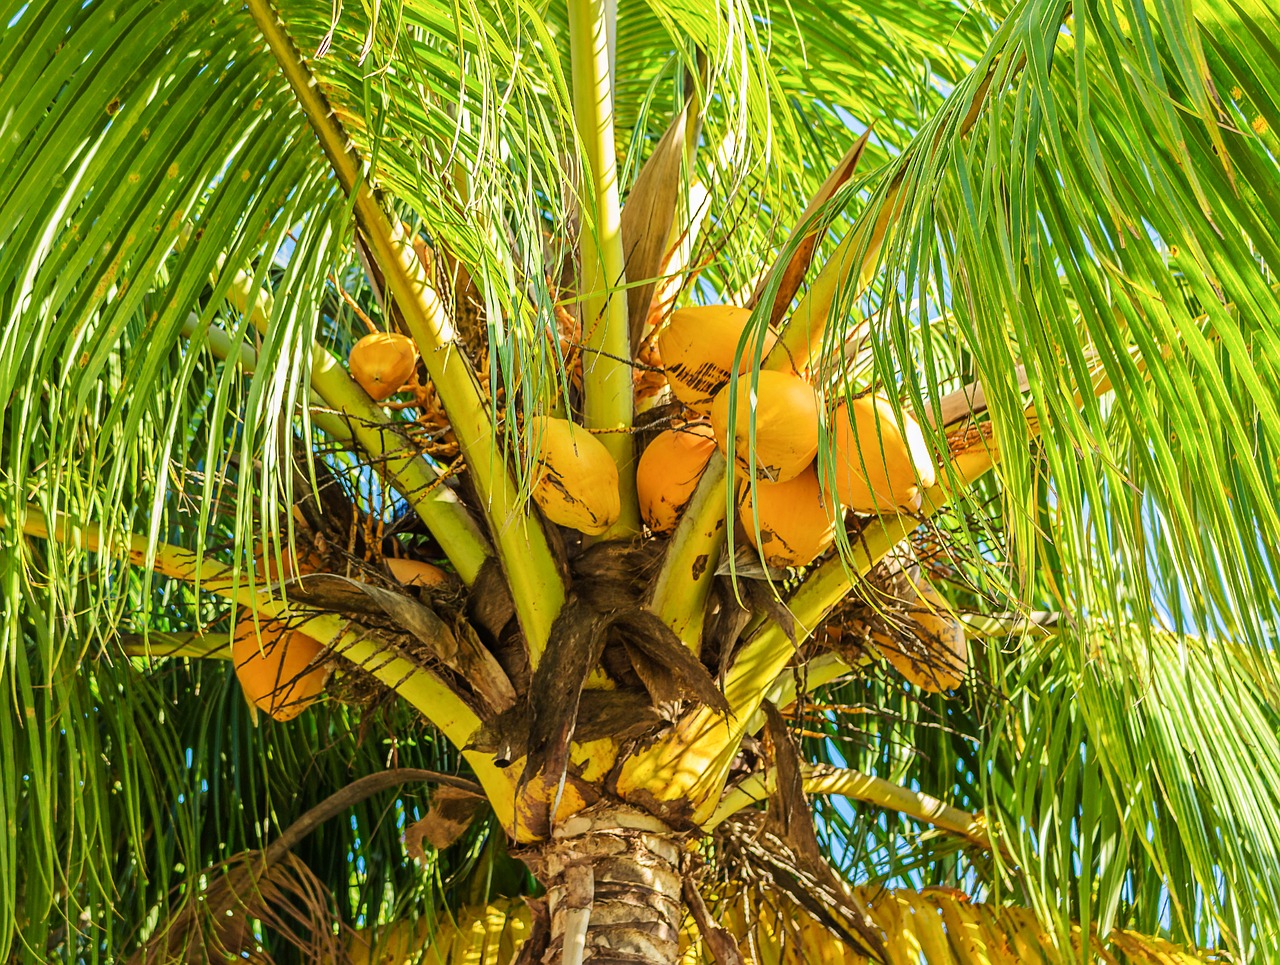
[522,547]
[607,406]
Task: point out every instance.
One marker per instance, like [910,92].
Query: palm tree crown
[944,632]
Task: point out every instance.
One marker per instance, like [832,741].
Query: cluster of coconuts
[880,465]
[787,510]
[281,670]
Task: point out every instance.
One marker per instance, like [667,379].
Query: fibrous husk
[577,480]
[785,410]
[795,524]
[668,473]
[880,467]
[276,667]
[697,348]
[382,363]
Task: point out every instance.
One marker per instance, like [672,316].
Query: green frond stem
[523,551]
[857,786]
[398,459]
[394,456]
[606,375]
[424,690]
[689,568]
[193,645]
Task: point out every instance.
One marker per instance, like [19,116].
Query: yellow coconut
[577,482]
[879,467]
[697,348]
[273,667]
[382,363]
[795,526]
[668,473]
[418,573]
[933,653]
[786,424]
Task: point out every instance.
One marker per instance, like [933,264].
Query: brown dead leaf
[451,813]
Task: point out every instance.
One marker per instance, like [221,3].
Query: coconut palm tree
[951,639]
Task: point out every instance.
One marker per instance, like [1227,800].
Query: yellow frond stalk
[424,690]
[606,370]
[522,546]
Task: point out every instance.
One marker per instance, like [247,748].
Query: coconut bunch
[768,419]
[788,509]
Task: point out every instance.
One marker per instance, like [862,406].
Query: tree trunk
[614,889]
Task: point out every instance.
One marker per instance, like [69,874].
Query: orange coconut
[879,467]
[382,363]
[417,573]
[668,473]
[288,565]
[786,424]
[932,653]
[697,348]
[577,481]
[795,526]
[273,666]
